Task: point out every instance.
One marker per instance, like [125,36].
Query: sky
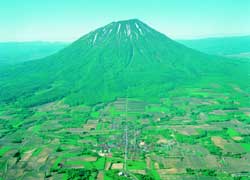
[67,20]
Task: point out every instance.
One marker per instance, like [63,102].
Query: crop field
[204,135]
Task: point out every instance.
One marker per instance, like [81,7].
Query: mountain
[125,58]
[17,52]
[238,46]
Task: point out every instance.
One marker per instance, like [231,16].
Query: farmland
[202,135]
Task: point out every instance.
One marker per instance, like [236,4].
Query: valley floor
[192,133]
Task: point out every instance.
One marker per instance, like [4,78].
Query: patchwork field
[204,135]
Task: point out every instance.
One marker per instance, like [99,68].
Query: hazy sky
[67,20]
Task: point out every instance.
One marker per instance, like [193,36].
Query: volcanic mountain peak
[127,29]
[106,63]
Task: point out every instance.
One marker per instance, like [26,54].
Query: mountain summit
[130,29]
[123,30]
[125,58]
[130,38]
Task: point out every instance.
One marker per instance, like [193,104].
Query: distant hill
[238,46]
[16,52]
[125,58]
